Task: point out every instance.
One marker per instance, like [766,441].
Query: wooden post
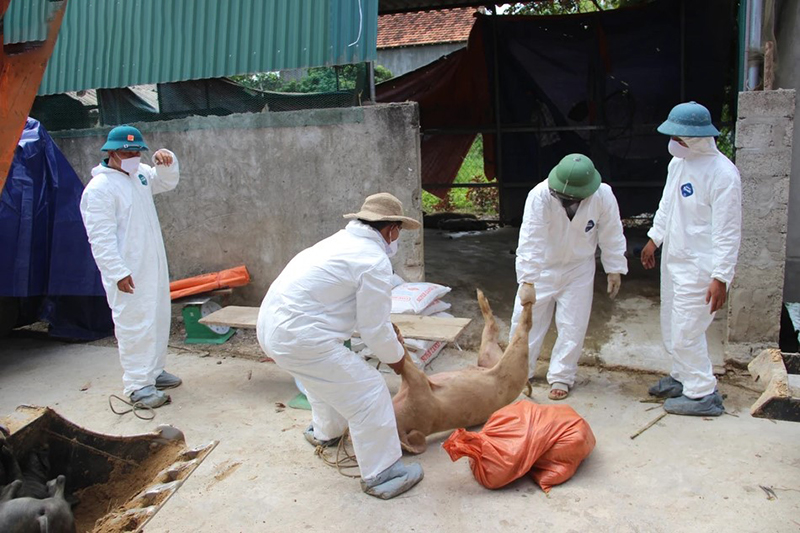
[769,65]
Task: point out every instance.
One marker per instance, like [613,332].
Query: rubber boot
[710,405]
[309,435]
[667,387]
[150,397]
[165,380]
[393,481]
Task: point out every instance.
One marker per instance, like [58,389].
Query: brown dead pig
[466,397]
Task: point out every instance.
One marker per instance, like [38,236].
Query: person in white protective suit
[123,229]
[566,217]
[698,226]
[340,286]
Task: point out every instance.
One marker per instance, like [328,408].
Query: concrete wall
[402,60]
[788,77]
[258,188]
[764,133]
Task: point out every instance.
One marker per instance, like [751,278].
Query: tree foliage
[315,80]
[567,7]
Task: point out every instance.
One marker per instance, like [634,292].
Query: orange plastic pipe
[232,277]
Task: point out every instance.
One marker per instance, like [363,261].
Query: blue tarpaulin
[45,259]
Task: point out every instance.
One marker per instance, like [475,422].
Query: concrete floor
[683,474]
[622,333]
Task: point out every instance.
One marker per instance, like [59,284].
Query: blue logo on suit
[687,190]
[589,226]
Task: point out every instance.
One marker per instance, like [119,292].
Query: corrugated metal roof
[120,43]
[26,20]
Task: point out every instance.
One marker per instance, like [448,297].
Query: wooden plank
[411,326]
[430,327]
[234,315]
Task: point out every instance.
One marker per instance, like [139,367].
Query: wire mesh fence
[316,88]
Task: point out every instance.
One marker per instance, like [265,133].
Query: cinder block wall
[258,188]
[764,133]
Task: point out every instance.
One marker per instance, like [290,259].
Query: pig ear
[10,490]
[56,486]
[414,442]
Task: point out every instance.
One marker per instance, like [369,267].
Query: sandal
[558,391]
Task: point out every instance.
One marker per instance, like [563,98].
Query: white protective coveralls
[327,292]
[557,255]
[699,222]
[123,229]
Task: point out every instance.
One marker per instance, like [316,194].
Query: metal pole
[498,145]
[683,50]
[371,75]
[754,44]
[743,18]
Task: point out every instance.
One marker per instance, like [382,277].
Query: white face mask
[130,165]
[677,149]
[391,248]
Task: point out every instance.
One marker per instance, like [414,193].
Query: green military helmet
[689,119]
[575,177]
[124,138]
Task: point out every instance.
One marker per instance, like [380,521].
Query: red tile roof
[425,27]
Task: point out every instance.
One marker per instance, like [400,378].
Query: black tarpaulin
[597,84]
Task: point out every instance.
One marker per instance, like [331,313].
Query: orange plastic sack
[549,441]
[232,277]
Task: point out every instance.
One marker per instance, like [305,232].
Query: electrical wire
[360,24]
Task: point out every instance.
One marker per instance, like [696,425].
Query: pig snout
[29,515]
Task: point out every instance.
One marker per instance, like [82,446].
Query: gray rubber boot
[150,397]
[309,435]
[710,405]
[393,481]
[667,387]
[165,380]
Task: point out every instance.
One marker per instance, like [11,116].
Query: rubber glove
[527,294]
[614,283]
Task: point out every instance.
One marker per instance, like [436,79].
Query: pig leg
[490,352]
[414,442]
[35,475]
[415,391]
[8,464]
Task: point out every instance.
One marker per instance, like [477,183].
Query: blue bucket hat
[689,120]
[124,138]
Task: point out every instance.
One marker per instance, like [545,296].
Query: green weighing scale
[196,333]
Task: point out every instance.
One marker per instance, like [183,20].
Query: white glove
[527,294]
[614,283]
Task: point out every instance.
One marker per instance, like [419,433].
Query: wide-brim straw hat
[383,207]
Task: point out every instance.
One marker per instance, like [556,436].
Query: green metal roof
[26,20]
[120,43]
